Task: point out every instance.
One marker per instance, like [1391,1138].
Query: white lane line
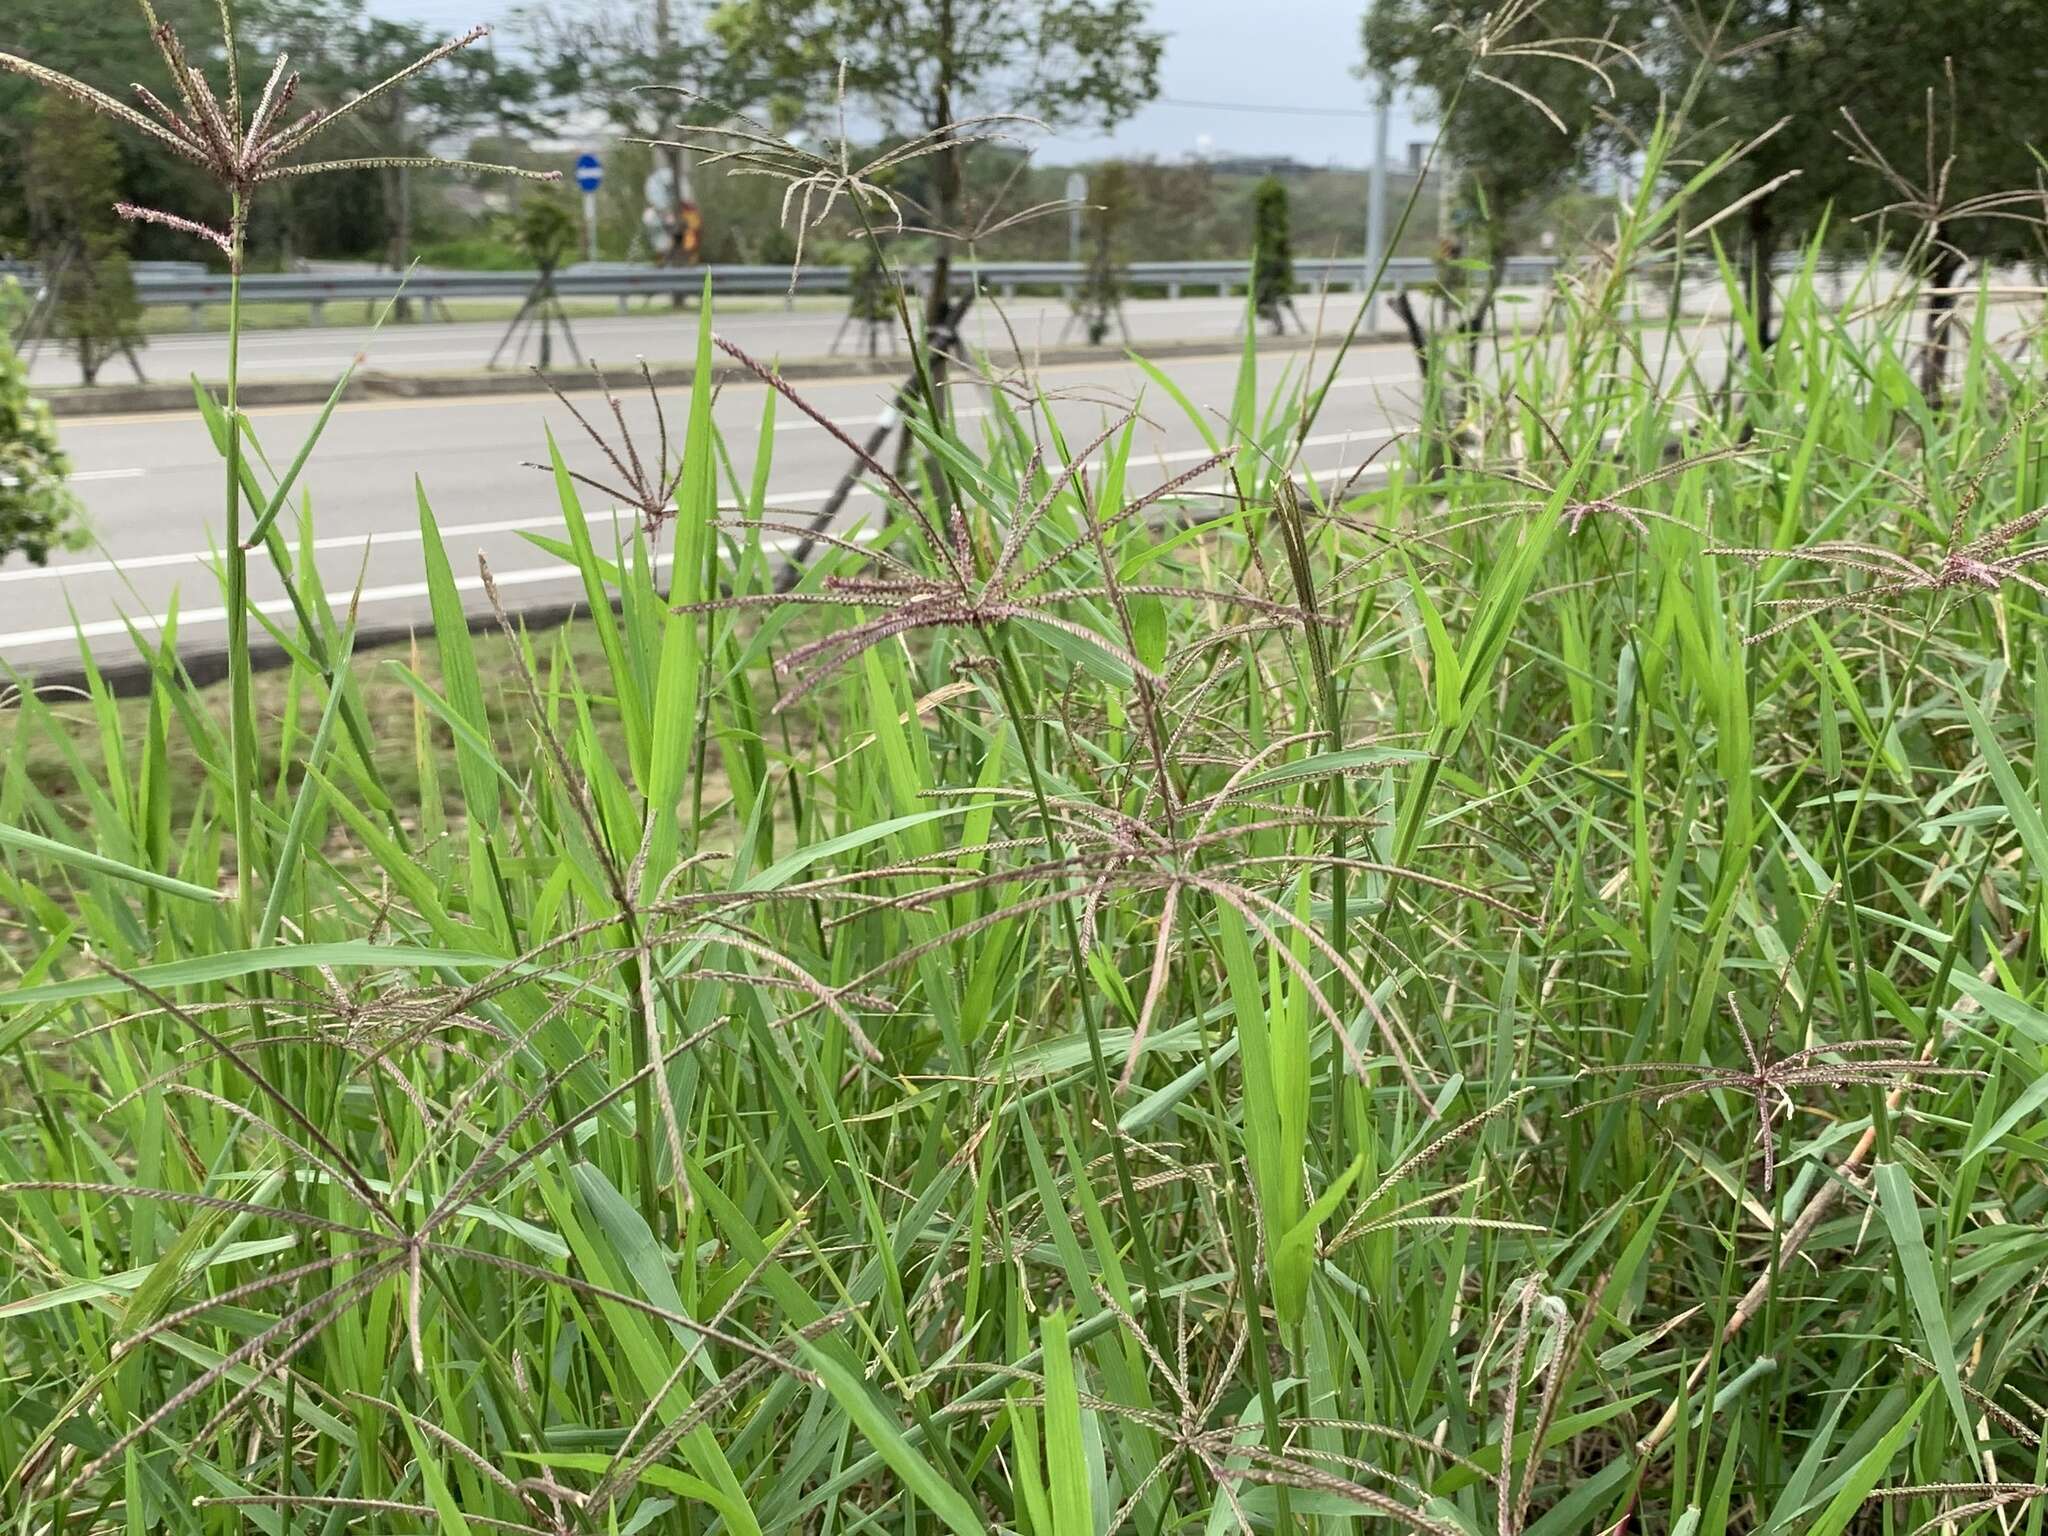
[380,538]
[406,591]
[206,618]
[348,541]
[105,474]
[805,424]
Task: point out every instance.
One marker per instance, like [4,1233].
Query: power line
[1266,107]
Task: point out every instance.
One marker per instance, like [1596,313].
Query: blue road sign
[589,173]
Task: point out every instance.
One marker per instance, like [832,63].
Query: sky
[1226,57]
[1255,55]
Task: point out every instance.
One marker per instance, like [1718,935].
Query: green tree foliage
[923,65]
[1272,254]
[1908,124]
[37,513]
[872,295]
[546,230]
[1764,67]
[649,68]
[101,45]
[1898,120]
[74,180]
[645,66]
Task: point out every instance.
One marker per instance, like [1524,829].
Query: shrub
[1099,299]
[547,231]
[37,513]
[1272,253]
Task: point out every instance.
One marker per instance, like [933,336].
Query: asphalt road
[805,328]
[659,333]
[153,490]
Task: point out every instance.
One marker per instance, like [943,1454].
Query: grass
[46,744]
[1253,1006]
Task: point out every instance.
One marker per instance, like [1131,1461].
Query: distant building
[1260,165]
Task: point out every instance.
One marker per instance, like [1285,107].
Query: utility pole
[1376,195]
[664,53]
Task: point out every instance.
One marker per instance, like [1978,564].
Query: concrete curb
[132,677]
[137,399]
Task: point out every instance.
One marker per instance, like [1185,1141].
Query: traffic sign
[589,173]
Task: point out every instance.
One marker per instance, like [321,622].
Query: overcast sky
[1296,55]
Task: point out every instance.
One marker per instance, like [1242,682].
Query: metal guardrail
[30,276]
[178,283]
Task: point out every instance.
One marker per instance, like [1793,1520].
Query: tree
[871,296]
[1099,300]
[922,66]
[1907,125]
[648,67]
[37,513]
[547,233]
[1272,254]
[870,300]
[102,45]
[1514,146]
[74,181]
[1776,72]
[1843,109]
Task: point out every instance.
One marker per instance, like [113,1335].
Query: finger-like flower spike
[649,490]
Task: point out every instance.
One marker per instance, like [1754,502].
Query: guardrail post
[318,307]
[196,292]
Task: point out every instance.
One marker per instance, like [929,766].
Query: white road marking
[380,537]
[206,618]
[105,474]
[412,591]
[348,541]
[804,423]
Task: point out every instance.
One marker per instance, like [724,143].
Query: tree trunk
[1435,446]
[938,293]
[948,177]
[1762,248]
[1404,311]
[1941,307]
[404,234]
[398,244]
[398,202]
